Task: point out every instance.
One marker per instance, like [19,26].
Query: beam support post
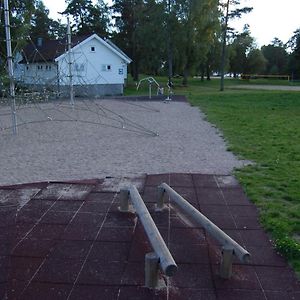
[226,263]
[124,200]
[151,270]
[160,198]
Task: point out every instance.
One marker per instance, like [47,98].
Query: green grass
[264,127]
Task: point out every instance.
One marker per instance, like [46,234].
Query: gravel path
[266,87]
[95,145]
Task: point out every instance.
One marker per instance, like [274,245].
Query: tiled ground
[71,242]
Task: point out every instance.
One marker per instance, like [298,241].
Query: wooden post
[151,270]
[226,263]
[160,198]
[124,200]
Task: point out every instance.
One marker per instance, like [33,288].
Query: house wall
[37,74]
[93,63]
[96,71]
[92,90]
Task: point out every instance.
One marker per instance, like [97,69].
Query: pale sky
[269,18]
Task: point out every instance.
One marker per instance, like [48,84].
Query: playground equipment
[151,80]
[229,246]
[161,257]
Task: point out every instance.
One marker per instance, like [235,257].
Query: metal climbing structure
[43,101]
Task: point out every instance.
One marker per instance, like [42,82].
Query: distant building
[98,67]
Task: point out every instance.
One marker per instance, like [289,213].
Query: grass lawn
[264,127]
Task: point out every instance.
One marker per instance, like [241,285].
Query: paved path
[71,242]
[266,87]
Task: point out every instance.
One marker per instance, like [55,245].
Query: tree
[212,63]
[20,21]
[153,46]
[237,12]
[256,62]
[197,22]
[160,35]
[128,20]
[88,17]
[294,58]
[44,27]
[240,47]
[277,57]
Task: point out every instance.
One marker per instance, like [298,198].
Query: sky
[269,18]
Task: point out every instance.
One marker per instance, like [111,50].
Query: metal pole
[170,52]
[166,260]
[150,89]
[70,62]
[209,226]
[10,68]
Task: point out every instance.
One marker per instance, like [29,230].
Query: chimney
[40,42]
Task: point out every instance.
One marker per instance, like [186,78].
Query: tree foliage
[231,10]
[20,13]
[128,20]
[20,24]
[276,56]
[294,59]
[239,49]
[256,62]
[175,37]
[88,18]
[44,27]
[197,23]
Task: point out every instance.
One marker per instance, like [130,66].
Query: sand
[52,146]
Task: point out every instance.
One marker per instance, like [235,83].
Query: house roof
[54,50]
[112,47]
[48,51]
[117,48]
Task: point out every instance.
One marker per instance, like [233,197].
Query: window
[106,68]
[93,49]
[79,67]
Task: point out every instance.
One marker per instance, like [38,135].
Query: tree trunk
[135,73]
[207,72]
[185,76]
[202,72]
[224,47]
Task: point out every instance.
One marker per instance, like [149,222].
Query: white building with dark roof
[98,67]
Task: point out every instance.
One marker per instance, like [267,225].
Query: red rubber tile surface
[70,241]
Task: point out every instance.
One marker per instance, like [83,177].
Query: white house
[94,66]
